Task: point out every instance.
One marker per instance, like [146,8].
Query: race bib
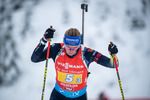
[69,78]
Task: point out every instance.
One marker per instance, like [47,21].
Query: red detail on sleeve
[90,50]
[37,46]
[97,57]
[62,44]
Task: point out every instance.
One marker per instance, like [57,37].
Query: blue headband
[72,41]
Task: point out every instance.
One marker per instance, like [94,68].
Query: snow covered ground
[104,22]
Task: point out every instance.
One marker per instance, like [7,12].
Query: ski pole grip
[48,49]
[111,42]
[51,27]
[84,7]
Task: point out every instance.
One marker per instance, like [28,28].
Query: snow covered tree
[9,70]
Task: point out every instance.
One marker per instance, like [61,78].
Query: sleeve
[39,53]
[94,56]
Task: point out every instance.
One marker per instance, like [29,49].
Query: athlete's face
[71,50]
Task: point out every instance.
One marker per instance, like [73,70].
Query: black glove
[49,33]
[112,48]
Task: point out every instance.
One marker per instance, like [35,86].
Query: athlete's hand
[49,33]
[112,48]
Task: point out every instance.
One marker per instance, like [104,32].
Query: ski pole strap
[114,59]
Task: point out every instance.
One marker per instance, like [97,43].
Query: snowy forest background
[125,22]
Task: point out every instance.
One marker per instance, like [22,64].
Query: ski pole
[115,63]
[45,74]
[83,7]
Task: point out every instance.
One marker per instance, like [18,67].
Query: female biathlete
[72,61]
